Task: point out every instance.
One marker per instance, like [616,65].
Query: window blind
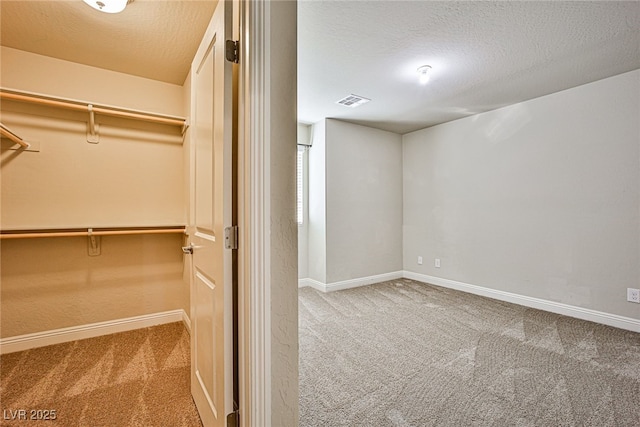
[300,186]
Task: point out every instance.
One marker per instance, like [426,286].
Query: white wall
[364,201]
[540,199]
[355,202]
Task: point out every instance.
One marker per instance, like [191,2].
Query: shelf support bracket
[93,243]
[92,131]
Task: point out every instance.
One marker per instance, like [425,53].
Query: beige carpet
[137,378]
[404,353]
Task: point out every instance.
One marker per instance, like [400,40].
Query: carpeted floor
[136,378]
[403,353]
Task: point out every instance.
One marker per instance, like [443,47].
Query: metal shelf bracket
[92,127]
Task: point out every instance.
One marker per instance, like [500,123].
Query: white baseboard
[58,336]
[187,321]
[363,281]
[614,320]
[351,283]
[303,283]
[627,323]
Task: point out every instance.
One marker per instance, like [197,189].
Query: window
[300,186]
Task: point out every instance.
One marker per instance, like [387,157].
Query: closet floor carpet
[408,354]
[135,378]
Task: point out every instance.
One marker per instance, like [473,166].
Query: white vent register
[353,101]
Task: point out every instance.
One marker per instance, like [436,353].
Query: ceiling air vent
[353,101]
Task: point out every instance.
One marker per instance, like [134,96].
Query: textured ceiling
[484,54]
[150,38]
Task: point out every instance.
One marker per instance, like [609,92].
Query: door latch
[187,249]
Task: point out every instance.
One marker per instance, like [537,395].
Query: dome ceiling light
[425,74]
[108,6]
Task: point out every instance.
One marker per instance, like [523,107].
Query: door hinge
[233,419]
[231,237]
[232,51]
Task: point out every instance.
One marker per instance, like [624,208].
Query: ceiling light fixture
[108,6]
[425,74]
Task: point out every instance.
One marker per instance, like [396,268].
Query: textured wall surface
[364,201]
[52,283]
[540,199]
[355,202]
[283,228]
[49,76]
[132,177]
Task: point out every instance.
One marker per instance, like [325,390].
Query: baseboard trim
[351,283]
[58,336]
[363,281]
[614,320]
[303,283]
[186,320]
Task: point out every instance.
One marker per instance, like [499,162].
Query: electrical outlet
[419,260]
[437,262]
[633,295]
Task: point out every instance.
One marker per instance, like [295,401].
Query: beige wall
[41,74]
[133,177]
[187,169]
[52,283]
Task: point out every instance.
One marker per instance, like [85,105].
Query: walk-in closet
[93,207]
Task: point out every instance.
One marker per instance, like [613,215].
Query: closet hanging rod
[21,96]
[30,234]
[7,133]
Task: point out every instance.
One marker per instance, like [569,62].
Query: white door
[211,212]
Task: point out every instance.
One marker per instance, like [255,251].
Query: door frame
[267,256]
